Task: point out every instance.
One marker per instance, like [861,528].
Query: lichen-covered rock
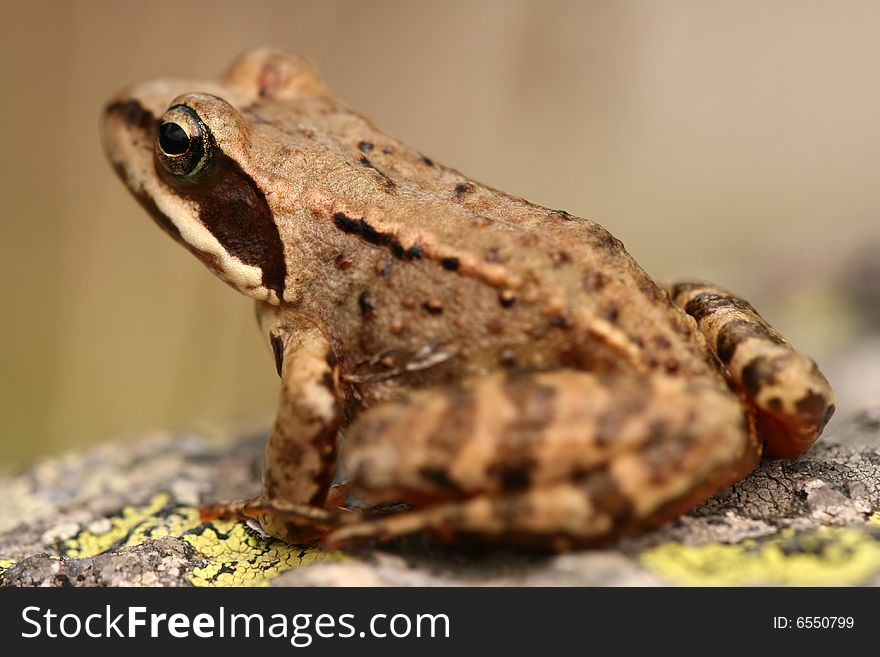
[163,561]
[126,515]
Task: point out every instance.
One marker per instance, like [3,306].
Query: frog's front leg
[554,459]
[300,457]
[792,399]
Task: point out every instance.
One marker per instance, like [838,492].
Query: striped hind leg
[554,459]
[792,399]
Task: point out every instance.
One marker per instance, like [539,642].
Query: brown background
[736,141]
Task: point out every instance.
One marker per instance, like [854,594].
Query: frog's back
[438,257]
[411,253]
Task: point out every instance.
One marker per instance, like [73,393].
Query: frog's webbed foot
[293,523]
[792,399]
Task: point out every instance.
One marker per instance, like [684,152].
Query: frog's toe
[234,510]
[287,521]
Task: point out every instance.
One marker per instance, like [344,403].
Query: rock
[126,515]
[159,562]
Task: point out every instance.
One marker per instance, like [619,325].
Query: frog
[480,367]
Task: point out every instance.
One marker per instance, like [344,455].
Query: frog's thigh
[547,456]
[792,398]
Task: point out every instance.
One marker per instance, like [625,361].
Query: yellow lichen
[238,558]
[232,556]
[827,556]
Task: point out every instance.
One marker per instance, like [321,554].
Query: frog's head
[186,152]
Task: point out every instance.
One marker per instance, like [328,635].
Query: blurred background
[733,141]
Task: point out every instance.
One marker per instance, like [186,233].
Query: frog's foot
[555,459]
[556,517]
[293,523]
[792,399]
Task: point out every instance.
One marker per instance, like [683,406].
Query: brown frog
[507,370]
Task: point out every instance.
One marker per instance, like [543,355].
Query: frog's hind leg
[555,517]
[552,458]
[792,399]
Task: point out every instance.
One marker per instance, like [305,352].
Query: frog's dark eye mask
[184,144]
[178,167]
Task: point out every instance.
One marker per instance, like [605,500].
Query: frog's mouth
[202,217]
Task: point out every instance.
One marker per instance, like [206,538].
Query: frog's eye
[184,144]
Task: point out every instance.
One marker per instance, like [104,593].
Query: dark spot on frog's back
[369,234]
[450,264]
[366,304]
[594,281]
[433,306]
[559,258]
[235,211]
[362,229]
[506,298]
[611,313]
[461,189]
